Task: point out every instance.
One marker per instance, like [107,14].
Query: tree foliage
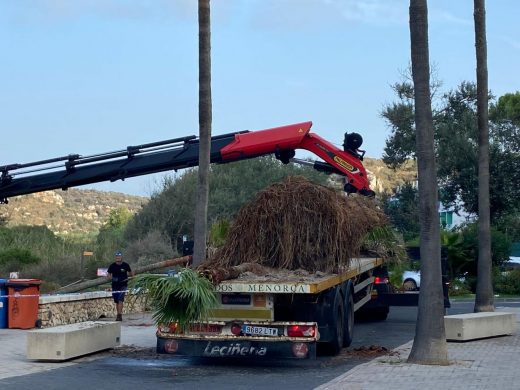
[510,225]
[507,110]
[111,235]
[118,218]
[403,211]
[456,144]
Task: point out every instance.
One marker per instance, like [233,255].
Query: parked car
[411,278]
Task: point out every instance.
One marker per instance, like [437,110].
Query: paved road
[140,368]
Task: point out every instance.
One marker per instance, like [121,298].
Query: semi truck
[290,315]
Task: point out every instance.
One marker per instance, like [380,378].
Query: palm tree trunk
[139,270]
[484,296]
[429,346]
[201,207]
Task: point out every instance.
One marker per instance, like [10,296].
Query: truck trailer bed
[297,283]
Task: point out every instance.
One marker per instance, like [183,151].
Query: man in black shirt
[118,272]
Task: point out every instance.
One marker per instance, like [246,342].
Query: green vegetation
[507,282]
[181,299]
[460,242]
[456,137]
[218,232]
[403,210]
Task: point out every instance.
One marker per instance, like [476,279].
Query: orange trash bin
[23,300]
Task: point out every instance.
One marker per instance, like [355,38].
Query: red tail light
[301,331]
[172,327]
[380,280]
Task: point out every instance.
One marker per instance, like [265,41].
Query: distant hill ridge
[81,211]
[68,212]
[384,179]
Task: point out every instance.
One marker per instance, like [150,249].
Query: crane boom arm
[179,153]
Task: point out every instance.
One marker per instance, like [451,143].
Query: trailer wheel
[348,333]
[337,325]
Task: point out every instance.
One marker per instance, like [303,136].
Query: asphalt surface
[135,365]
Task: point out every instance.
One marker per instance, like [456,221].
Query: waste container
[23,300]
[3,304]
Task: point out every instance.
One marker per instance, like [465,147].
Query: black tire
[337,325]
[348,333]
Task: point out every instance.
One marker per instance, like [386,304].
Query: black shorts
[118,293]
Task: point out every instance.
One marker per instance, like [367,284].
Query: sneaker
[119,317]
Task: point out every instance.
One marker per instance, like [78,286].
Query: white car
[411,280]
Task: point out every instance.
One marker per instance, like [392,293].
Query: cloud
[72,10]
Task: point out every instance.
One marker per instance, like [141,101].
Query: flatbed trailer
[280,317]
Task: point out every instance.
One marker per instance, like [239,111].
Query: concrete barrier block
[69,341]
[471,326]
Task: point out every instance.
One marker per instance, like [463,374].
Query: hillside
[384,179]
[67,212]
[80,211]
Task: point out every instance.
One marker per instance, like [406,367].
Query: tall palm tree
[201,207]
[484,296]
[429,346]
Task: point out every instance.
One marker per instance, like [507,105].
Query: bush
[459,287]
[153,248]
[55,273]
[16,259]
[507,282]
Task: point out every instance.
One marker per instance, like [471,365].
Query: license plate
[259,330]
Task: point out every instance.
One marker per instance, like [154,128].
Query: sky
[95,76]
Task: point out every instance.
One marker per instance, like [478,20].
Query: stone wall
[66,309]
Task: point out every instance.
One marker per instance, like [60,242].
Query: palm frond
[182,298]
[385,242]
